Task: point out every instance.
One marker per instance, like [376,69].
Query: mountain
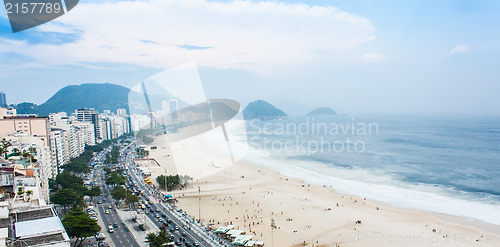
[26,108]
[321,111]
[100,96]
[262,110]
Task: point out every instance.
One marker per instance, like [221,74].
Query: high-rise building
[3,99]
[174,107]
[34,126]
[7,112]
[165,107]
[121,112]
[75,135]
[89,115]
[59,149]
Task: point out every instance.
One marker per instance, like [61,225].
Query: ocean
[443,164]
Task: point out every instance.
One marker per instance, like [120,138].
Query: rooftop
[39,240]
[34,214]
[33,228]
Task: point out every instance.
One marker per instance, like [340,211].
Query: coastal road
[121,235]
[191,236]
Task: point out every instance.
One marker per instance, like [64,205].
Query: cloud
[194,47]
[249,35]
[459,49]
[373,57]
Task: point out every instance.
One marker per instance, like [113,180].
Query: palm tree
[3,148]
[25,154]
[29,193]
[157,239]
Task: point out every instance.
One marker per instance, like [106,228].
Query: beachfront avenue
[182,227]
[158,215]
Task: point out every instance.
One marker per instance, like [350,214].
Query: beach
[249,197]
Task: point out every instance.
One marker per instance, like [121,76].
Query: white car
[100,236]
[111,229]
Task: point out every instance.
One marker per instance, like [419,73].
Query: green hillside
[262,110]
[103,96]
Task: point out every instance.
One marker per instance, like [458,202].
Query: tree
[108,158]
[131,198]
[76,167]
[115,153]
[158,239]
[52,184]
[119,193]
[29,193]
[70,181]
[172,181]
[64,197]
[161,181]
[28,156]
[115,178]
[141,153]
[79,225]
[94,191]
[3,148]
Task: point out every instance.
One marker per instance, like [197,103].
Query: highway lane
[121,237]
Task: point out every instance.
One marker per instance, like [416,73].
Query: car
[111,229]
[178,242]
[152,210]
[157,210]
[116,225]
[99,202]
[196,244]
[100,236]
[183,234]
[160,220]
[103,244]
[176,228]
[107,211]
[157,215]
[188,244]
[110,207]
[169,221]
[163,215]
[172,230]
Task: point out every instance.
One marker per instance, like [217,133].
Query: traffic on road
[153,205]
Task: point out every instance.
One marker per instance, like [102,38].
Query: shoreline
[248,196]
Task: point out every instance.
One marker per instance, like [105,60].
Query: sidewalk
[127,217]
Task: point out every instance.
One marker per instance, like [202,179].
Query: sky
[357,57]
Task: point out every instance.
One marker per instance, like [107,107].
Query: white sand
[251,201]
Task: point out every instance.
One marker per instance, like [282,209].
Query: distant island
[321,111]
[100,96]
[262,110]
